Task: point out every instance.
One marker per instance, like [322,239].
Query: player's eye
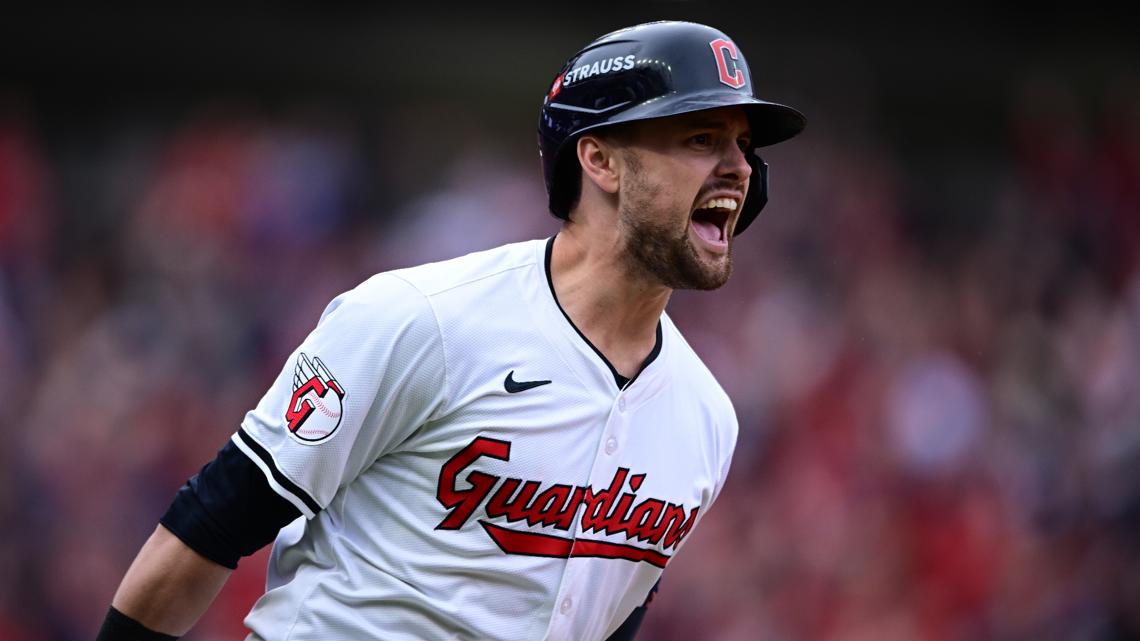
[744,143]
[701,140]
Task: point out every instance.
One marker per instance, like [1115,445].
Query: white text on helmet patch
[598,67]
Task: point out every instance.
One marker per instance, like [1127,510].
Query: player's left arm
[224,512]
[628,630]
[167,588]
[384,341]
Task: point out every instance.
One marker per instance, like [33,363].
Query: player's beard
[657,246]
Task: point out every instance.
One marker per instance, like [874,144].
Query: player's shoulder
[705,397]
[687,363]
[410,295]
[434,278]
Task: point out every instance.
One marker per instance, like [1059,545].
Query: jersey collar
[620,381]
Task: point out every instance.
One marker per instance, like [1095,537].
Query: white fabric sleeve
[369,374]
[727,447]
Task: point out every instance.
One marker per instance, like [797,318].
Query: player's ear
[598,158]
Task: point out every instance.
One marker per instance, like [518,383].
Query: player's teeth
[719,203]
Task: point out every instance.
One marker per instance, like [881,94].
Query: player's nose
[733,163]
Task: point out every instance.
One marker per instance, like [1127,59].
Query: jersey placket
[571,611]
[575,609]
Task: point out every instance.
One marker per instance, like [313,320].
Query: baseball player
[515,443]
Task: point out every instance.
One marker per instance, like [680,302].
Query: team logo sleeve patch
[316,407]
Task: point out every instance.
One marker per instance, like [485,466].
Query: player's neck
[617,311]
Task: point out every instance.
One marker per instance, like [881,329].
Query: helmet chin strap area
[757,195]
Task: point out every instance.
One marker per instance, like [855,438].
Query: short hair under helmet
[649,71]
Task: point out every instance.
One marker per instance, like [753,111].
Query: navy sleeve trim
[255,448]
[228,510]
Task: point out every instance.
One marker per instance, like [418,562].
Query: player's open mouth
[710,220]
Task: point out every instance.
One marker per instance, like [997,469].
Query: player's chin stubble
[661,250]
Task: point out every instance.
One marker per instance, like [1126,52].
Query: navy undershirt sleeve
[228,510]
[628,630]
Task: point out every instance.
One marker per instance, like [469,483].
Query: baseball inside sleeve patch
[316,408]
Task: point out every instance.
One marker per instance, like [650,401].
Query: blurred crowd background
[932,336]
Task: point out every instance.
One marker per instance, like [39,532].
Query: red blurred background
[932,335]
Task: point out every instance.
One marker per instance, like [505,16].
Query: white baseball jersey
[468,466]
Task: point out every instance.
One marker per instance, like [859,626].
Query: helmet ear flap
[757,195]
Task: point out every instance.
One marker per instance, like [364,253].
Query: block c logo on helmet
[730,74]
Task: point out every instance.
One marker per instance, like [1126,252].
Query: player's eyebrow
[707,123]
[702,121]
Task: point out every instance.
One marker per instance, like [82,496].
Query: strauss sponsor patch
[596,68]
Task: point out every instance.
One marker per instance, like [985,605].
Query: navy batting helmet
[650,71]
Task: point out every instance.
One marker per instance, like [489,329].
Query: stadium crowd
[939,394]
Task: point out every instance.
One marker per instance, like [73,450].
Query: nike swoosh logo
[514,387]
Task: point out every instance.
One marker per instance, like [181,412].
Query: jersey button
[611,445]
[621,404]
[567,603]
